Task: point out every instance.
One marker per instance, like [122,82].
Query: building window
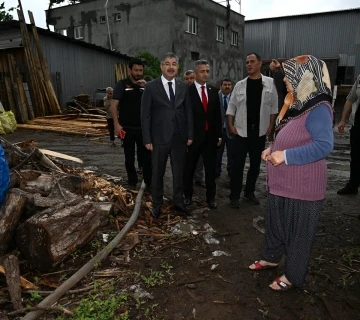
[62,32]
[195,56]
[79,32]
[102,19]
[117,16]
[234,38]
[219,34]
[192,24]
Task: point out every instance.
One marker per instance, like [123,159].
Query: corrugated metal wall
[327,35]
[81,69]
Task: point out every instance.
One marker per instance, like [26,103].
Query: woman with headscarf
[296,170]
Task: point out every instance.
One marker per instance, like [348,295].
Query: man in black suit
[167,127]
[205,104]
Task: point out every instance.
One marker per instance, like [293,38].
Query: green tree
[152,64]
[5,15]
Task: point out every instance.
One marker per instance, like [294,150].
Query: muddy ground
[231,291]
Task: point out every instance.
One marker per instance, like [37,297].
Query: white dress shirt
[166,85]
[198,87]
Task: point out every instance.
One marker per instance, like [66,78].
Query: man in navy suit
[205,105]
[167,127]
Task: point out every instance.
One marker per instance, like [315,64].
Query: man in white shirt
[251,115]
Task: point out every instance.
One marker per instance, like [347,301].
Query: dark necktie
[204,101]
[225,103]
[171,93]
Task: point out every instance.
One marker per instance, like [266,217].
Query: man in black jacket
[125,109]
[205,104]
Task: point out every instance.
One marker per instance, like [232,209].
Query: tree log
[43,184]
[48,237]
[10,216]
[12,274]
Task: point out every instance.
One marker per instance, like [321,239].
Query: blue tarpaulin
[4,176]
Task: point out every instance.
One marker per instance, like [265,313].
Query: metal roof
[304,14]
[7,43]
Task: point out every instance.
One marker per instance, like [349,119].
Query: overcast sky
[251,9]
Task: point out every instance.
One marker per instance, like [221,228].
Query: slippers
[259,266]
[282,285]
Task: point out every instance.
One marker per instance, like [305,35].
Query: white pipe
[107,22]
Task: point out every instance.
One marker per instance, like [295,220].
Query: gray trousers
[159,156]
[290,228]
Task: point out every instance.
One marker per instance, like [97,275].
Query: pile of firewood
[52,209]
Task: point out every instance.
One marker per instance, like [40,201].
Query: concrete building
[332,36]
[75,66]
[192,29]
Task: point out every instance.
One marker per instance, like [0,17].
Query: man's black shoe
[234,203]
[187,201]
[347,190]
[251,197]
[181,208]
[139,170]
[147,189]
[200,183]
[156,212]
[212,204]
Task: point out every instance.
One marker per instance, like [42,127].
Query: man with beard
[207,133]
[167,126]
[125,109]
[228,139]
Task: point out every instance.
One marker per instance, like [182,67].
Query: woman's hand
[274,65]
[265,154]
[276,158]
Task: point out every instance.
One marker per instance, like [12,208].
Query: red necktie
[205,105]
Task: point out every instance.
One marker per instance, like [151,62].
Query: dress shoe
[181,208]
[187,201]
[212,204]
[200,183]
[139,170]
[156,212]
[348,189]
[251,197]
[234,203]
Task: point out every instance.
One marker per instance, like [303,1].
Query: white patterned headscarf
[309,77]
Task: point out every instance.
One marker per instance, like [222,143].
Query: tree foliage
[152,64]
[4,14]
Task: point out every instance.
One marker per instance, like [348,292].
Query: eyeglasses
[168,64]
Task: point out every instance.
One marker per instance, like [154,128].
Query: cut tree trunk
[12,274]
[10,214]
[48,237]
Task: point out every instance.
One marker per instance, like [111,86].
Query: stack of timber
[121,71]
[30,92]
[90,125]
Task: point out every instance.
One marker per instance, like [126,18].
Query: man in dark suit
[207,133]
[228,140]
[167,127]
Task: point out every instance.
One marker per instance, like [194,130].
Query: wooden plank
[88,133]
[23,282]
[60,155]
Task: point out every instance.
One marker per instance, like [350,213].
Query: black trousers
[229,151]
[111,128]
[133,137]
[208,150]
[177,150]
[254,146]
[354,181]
